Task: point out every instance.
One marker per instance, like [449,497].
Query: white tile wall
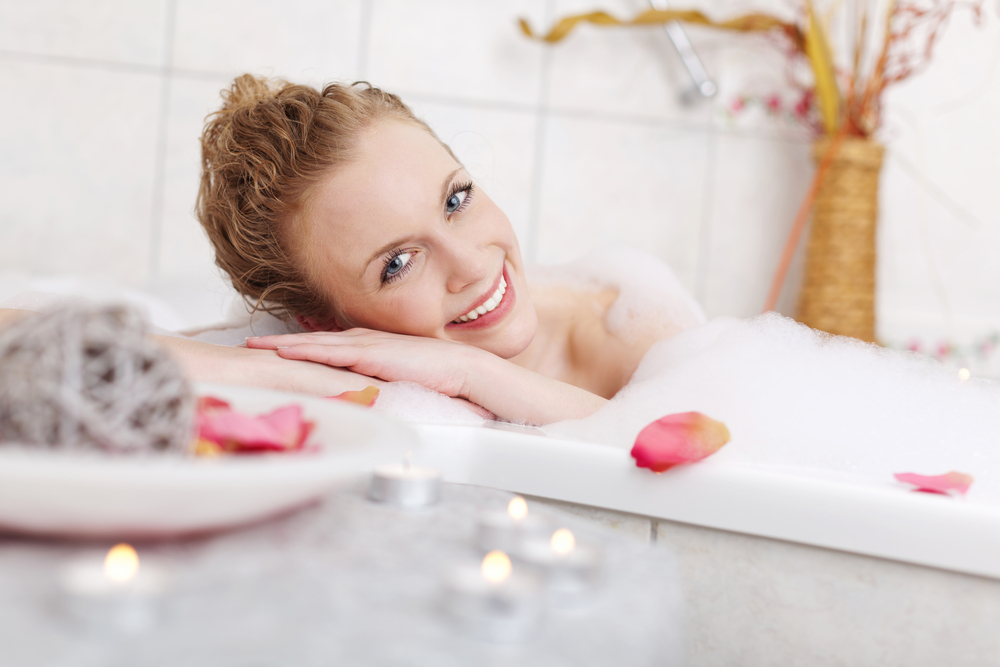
[496,146]
[633,72]
[76,176]
[749,219]
[637,182]
[581,143]
[117,31]
[460,49]
[185,268]
[303,40]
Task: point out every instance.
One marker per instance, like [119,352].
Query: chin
[514,338]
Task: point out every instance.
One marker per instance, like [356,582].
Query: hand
[460,371]
[441,365]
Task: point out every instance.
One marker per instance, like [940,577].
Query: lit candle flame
[496,566]
[121,563]
[964,374]
[517,509]
[562,541]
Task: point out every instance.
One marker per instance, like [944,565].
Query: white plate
[46,492]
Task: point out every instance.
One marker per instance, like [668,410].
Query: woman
[340,209]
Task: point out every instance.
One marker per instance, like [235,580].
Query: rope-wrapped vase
[87,377]
[838,293]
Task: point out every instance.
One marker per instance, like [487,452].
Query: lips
[489,308]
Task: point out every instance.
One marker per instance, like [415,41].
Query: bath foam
[415,402]
[794,398]
[651,301]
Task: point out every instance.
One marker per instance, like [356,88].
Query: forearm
[241,366]
[9,315]
[259,368]
[518,394]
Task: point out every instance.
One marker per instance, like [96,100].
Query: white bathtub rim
[873,519]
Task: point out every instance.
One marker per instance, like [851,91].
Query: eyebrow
[398,242]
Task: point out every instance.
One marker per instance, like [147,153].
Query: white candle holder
[572,572]
[492,602]
[505,531]
[114,593]
[406,486]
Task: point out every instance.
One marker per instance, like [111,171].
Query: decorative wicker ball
[87,377]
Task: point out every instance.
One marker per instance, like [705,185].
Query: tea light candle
[572,571]
[115,593]
[406,486]
[492,602]
[504,531]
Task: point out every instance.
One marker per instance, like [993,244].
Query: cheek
[406,311]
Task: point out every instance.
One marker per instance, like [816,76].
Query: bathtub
[780,567]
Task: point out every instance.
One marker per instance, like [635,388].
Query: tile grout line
[538,159]
[160,157]
[364,38]
[704,257]
[87,63]
[680,125]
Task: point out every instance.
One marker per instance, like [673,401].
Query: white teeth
[489,305]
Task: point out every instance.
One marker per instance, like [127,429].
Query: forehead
[390,188]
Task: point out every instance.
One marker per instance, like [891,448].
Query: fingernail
[252,337]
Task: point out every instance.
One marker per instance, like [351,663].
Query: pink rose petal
[678,438]
[208,403]
[287,421]
[958,482]
[366,396]
[280,430]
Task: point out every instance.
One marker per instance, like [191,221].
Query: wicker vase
[838,293]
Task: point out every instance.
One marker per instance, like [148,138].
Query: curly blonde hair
[260,154]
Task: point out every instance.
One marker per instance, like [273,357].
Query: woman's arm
[8,315]
[206,362]
[239,365]
[256,367]
[509,391]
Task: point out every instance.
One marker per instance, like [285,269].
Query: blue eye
[459,197]
[395,265]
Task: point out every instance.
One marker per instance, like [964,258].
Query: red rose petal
[944,484]
[678,438]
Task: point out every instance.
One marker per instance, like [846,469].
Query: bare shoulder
[575,343]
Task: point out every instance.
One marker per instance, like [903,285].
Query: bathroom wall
[582,144]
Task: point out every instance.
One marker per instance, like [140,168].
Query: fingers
[340,356]
[317,338]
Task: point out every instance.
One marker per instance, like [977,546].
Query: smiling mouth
[487,306]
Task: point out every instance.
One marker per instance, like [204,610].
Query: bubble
[794,398]
[651,301]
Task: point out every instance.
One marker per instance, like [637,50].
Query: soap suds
[651,301]
[415,402]
[795,398]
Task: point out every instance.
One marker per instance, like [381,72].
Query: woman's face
[400,240]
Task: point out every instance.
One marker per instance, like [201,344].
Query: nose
[467,264]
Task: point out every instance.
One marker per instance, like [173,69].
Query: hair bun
[248,90]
